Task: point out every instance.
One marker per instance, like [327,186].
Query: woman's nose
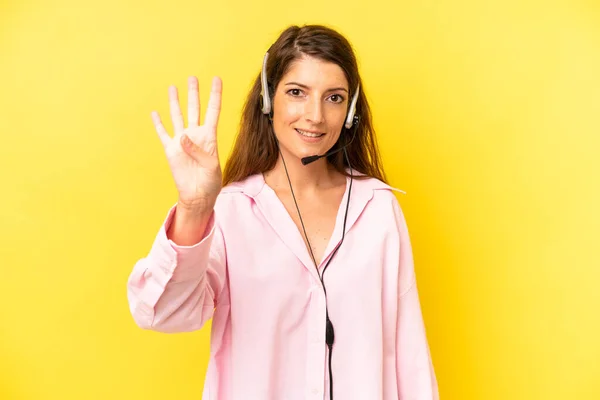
[314,111]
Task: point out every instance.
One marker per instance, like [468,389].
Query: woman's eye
[336,98]
[295,92]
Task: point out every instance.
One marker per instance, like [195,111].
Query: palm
[198,177]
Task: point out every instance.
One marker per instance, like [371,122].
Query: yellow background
[488,115]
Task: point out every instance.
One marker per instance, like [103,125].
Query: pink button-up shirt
[253,274]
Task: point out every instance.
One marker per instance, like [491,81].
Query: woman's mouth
[310,135]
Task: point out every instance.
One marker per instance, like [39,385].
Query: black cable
[329,331]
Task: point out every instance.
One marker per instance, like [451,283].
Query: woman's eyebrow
[306,87]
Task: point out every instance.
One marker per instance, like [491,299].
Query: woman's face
[309,107]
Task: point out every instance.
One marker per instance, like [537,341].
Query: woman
[303,262]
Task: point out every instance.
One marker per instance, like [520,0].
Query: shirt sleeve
[175,288]
[415,373]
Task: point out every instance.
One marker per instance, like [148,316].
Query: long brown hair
[255,149]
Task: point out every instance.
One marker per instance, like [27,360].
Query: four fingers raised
[211,118]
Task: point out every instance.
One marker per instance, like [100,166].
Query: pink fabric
[254,276]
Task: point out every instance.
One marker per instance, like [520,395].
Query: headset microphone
[308,160]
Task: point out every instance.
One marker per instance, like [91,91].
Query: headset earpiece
[351,119]
[266,97]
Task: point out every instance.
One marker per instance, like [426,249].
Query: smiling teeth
[309,134]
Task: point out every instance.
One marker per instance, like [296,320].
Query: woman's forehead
[315,73]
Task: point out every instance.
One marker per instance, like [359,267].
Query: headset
[352,120]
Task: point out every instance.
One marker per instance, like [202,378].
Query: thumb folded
[190,147]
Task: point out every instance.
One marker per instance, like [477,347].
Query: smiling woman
[303,190]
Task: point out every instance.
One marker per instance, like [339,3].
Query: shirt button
[315,391]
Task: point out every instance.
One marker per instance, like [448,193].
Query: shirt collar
[276,216]
[254,184]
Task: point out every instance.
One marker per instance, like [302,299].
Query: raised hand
[192,152]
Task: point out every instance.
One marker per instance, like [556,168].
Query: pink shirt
[253,274]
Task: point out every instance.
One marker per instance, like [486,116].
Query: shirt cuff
[182,262]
